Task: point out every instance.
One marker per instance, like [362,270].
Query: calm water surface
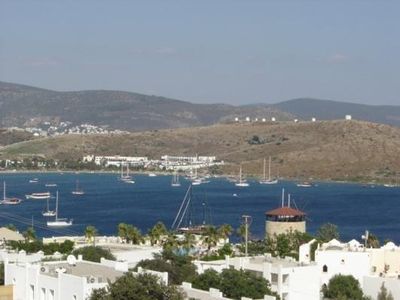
[108,202]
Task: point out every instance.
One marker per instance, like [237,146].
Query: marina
[108,201]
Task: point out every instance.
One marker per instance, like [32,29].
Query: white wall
[372,286]
[356,264]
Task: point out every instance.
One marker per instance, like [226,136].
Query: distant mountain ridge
[26,106]
[306,108]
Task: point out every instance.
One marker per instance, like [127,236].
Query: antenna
[283,196]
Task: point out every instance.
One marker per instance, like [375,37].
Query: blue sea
[108,202]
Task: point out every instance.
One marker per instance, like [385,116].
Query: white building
[116,160]
[59,280]
[64,280]
[348,117]
[290,279]
[370,266]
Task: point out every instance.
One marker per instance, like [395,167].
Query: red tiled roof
[285,211]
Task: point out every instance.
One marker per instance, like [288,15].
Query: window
[42,294]
[51,295]
[31,292]
[325,269]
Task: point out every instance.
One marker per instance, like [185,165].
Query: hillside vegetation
[325,150]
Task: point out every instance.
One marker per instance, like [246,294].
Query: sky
[235,52]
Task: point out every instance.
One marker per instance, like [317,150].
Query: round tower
[283,220]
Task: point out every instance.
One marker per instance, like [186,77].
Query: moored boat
[38,196]
[9,201]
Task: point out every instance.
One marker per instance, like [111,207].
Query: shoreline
[371,182]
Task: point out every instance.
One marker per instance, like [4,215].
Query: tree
[210,237]
[344,288]
[171,242]
[328,232]
[383,294]
[90,234]
[209,279]
[140,287]
[225,230]
[94,253]
[178,267]
[123,231]
[234,283]
[373,241]
[241,231]
[157,232]
[11,227]
[188,242]
[29,234]
[133,235]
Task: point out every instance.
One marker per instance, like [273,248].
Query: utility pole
[247,221]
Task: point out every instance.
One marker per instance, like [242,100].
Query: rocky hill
[347,150]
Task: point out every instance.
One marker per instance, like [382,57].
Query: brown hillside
[327,149]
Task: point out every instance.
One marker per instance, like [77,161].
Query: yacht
[38,196]
[50,185]
[241,182]
[268,180]
[175,180]
[48,212]
[304,184]
[9,201]
[126,178]
[152,175]
[78,191]
[59,222]
[34,180]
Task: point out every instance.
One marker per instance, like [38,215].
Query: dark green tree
[234,284]
[141,287]
[327,232]
[343,287]
[178,267]
[94,253]
[209,279]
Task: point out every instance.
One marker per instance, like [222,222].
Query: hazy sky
[202,51]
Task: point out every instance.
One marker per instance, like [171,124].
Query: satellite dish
[71,260]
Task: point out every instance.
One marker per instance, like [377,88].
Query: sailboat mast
[4,190]
[269,169]
[57,206]
[264,176]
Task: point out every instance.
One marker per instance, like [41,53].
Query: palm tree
[123,231]
[225,230]
[189,241]
[90,234]
[133,235]
[171,242]
[156,232]
[29,234]
[210,237]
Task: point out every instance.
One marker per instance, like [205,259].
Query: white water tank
[273,119]
[264,120]
[247,119]
[313,119]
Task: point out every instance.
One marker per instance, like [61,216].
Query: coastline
[369,182]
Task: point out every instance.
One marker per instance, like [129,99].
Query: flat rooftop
[84,269]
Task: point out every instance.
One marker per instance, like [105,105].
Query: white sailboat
[38,196]
[175,180]
[48,212]
[9,201]
[126,178]
[268,180]
[195,179]
[59,222]
[78,191]
[241,182]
